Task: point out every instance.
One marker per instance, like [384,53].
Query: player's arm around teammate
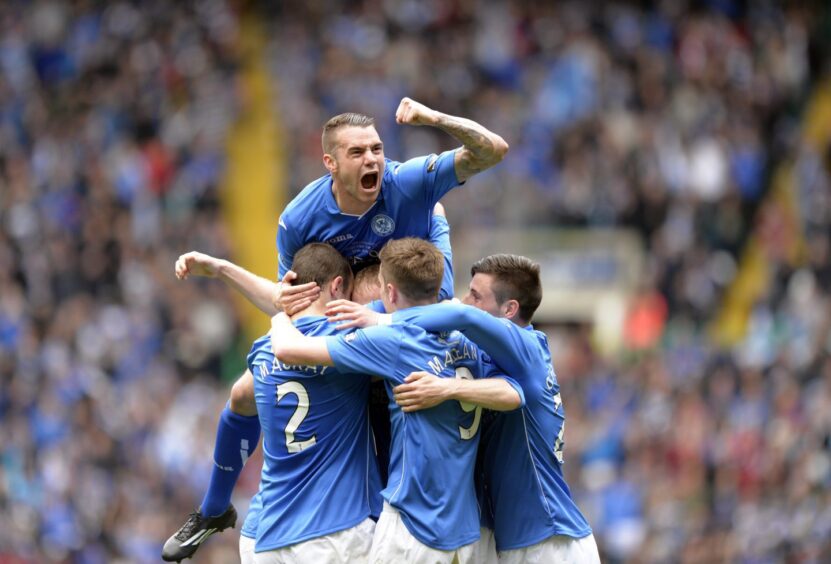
[273,297]
[293,347]
[422,390]
[267,296]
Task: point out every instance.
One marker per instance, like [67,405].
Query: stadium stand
[669,118]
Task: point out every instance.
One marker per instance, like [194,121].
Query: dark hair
[415,266]
[348,119]
[321,263]
[515,278]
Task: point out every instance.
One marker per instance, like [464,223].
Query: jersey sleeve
[499,338]
[377,306]
[440,237]
[373,351]
[431,176]
[491,370]
[288,242]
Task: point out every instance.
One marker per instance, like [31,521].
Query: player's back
[319,471]
[522,455]
[433,451]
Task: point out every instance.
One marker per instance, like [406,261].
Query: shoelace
[189,526]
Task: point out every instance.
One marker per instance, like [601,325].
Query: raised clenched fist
[411,112]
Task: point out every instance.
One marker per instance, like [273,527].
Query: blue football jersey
[319,471]
[252,518]
[440,237]
[522,454]
[433,451]
[404,208]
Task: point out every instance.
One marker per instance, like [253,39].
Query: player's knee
[242,396]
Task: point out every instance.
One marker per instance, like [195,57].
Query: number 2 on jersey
[298,416]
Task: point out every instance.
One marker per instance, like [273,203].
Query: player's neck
[347,204]
[317,309]
[516,321]
[404,303]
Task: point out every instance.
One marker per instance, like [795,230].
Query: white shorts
[393,544]
[349,545]
[486,550]
[555,549]
[246,549]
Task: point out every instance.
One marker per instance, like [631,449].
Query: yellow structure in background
[754,277]
[252,194]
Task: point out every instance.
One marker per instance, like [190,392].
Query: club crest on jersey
[382,225]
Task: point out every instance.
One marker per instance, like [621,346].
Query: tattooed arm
[481,148]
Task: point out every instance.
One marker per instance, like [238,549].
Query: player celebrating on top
[364,201]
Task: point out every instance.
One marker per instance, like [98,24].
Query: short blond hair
[415,266]
[348,119]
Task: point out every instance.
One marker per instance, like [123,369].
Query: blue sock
[236,438]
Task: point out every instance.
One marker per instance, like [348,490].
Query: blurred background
[669,167]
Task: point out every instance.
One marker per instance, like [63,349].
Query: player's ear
[392,292]
[511,309]
[336,286]
[330,163]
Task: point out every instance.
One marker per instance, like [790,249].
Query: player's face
[481,295]
[358,167]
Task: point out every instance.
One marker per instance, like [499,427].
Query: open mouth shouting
[370,181]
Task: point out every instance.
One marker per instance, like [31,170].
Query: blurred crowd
[664,117]
[112,126]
